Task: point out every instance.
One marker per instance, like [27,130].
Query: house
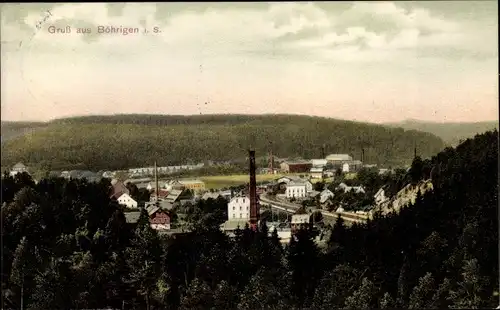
[319,162]
[160,220]
[295,167]
[195,185]
[380,196]
[231,225]
[107,174]
[346,188]
[118,189]
[213,196]
[174,184]
[18,168]
[175,195]
[317,172]
[300,221]
[352,166]
[152,185]
[162,194]
[127,201]
[313,194]
[132,217]
[325,195]
[296,190]
[239,208]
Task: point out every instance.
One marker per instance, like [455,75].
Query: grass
[220,181]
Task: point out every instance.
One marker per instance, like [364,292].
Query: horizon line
[249,114]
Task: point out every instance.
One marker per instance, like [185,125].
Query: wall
[237,203]
[295,191]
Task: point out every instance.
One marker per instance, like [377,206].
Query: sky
[364,61]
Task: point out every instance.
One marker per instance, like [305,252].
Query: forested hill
[451,133]
[122,141]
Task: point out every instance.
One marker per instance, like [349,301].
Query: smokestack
[415,152]
[156,183]
[254,209]
[362,155]
[271,162]
[323,156]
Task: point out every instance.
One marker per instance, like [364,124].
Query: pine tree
[387,302]
[422,293]
[363,297]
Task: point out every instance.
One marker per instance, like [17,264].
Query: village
[311,193]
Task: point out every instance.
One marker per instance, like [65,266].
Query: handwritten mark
[47,15]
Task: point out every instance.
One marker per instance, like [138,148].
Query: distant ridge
[451,132]
[124,141]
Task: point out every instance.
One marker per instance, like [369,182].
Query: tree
[363,297]
[422,293]
[387,302]
[198,296]
[471,291]
[143,260]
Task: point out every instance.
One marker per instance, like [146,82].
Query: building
[296,190]
[160,220]
[195,185]
[174,184]
[352,166]
[380,196]
[118,189]
[317,172]
[295,167]
[231,225]
[346,188]
[209,195]
[132,217]
[18,168]
[325,195]
[127,201]
[319,162]
[238,208]
[300,221]
[335,158]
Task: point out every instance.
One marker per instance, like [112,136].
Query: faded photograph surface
[295,155]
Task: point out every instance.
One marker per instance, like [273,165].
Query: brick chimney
[254,208]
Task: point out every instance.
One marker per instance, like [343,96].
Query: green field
[220,181]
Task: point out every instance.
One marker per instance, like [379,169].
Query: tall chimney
[362,155]
[254,208]
[323,156]
[271,162]
[156,183]
[415,151]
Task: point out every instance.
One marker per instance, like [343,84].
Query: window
[248,208]
[243,200]
[234,215]
[240,208]
[241,215]
[234,208]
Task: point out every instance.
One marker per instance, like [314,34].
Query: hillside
[451,133]
[122,141]
[10,130]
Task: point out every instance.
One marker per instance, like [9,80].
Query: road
[348,217]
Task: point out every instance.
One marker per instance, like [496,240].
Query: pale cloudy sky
[369,61]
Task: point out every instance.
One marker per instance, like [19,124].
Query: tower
[156,184]
[254,208]
[271,162]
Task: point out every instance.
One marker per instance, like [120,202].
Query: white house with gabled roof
[127,201]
